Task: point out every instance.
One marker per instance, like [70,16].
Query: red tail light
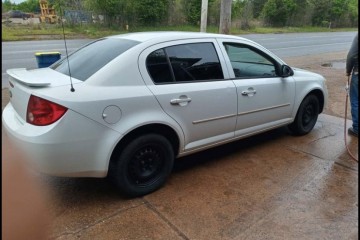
[42,112]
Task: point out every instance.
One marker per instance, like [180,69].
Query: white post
[204,10]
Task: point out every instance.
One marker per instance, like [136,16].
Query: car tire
[306,116]
[143,165]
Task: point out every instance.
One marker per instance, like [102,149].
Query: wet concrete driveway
[271,186]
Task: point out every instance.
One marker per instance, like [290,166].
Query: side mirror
[286,71]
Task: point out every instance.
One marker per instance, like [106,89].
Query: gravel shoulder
[336,79]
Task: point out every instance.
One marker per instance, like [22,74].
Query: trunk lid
[23,83]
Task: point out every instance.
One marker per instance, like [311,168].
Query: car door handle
[249,92]
[180,100]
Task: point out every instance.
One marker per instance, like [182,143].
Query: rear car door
[188,79]
[265,100]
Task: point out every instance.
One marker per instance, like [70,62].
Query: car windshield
[89,59]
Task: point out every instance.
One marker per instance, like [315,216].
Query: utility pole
[225,16]
[204,11]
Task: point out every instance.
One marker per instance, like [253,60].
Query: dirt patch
[5,96]
[336,79]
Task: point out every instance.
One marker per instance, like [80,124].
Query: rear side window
[158,67]
[185,63]
[89,59]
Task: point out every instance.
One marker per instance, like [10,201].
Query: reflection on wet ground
[336,65]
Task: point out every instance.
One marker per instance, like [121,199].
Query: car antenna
[72,89]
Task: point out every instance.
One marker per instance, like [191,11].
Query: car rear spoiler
[25,77]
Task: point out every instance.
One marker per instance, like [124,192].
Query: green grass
[265,30]
[34,32]
[45,31]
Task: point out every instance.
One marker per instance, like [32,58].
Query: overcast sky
[16,1]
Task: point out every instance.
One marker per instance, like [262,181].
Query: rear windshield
[89,59]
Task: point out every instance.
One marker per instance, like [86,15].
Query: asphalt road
[21,54]
[302,44]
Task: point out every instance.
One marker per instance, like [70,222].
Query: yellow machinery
[48,14]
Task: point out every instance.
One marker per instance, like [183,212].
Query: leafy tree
[302,14]
[321,11]
[214,12]
[175,13]
[338,8]
[110,8]
[258,7]
[242,10]
[329,11]
[29,6]
[151,12]
[277,12]
[7,6]
[237,8]
[192,10]
[247,15]
[353,12]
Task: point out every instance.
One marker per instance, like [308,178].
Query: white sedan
[126,106]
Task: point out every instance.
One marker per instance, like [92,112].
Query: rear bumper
[74,146]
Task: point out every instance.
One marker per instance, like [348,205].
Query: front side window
[185,63]
[248,63]
[89,59]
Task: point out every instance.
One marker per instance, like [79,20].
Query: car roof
[170,35]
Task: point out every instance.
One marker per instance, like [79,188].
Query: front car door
[188,80]
[265,100]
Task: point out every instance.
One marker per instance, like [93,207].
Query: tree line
[245,14]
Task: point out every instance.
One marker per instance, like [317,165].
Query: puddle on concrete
[336,65]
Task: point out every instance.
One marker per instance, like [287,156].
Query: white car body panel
[80,153]
[35,78]
[272,103]
[121,97]
[306,82]
[211,112]
[210,116]
[39,78]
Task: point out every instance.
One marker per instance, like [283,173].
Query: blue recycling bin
[45,59]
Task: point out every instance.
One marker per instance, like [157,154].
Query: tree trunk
[225,17]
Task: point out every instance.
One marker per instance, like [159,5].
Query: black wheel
[306,116]
[143,166]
